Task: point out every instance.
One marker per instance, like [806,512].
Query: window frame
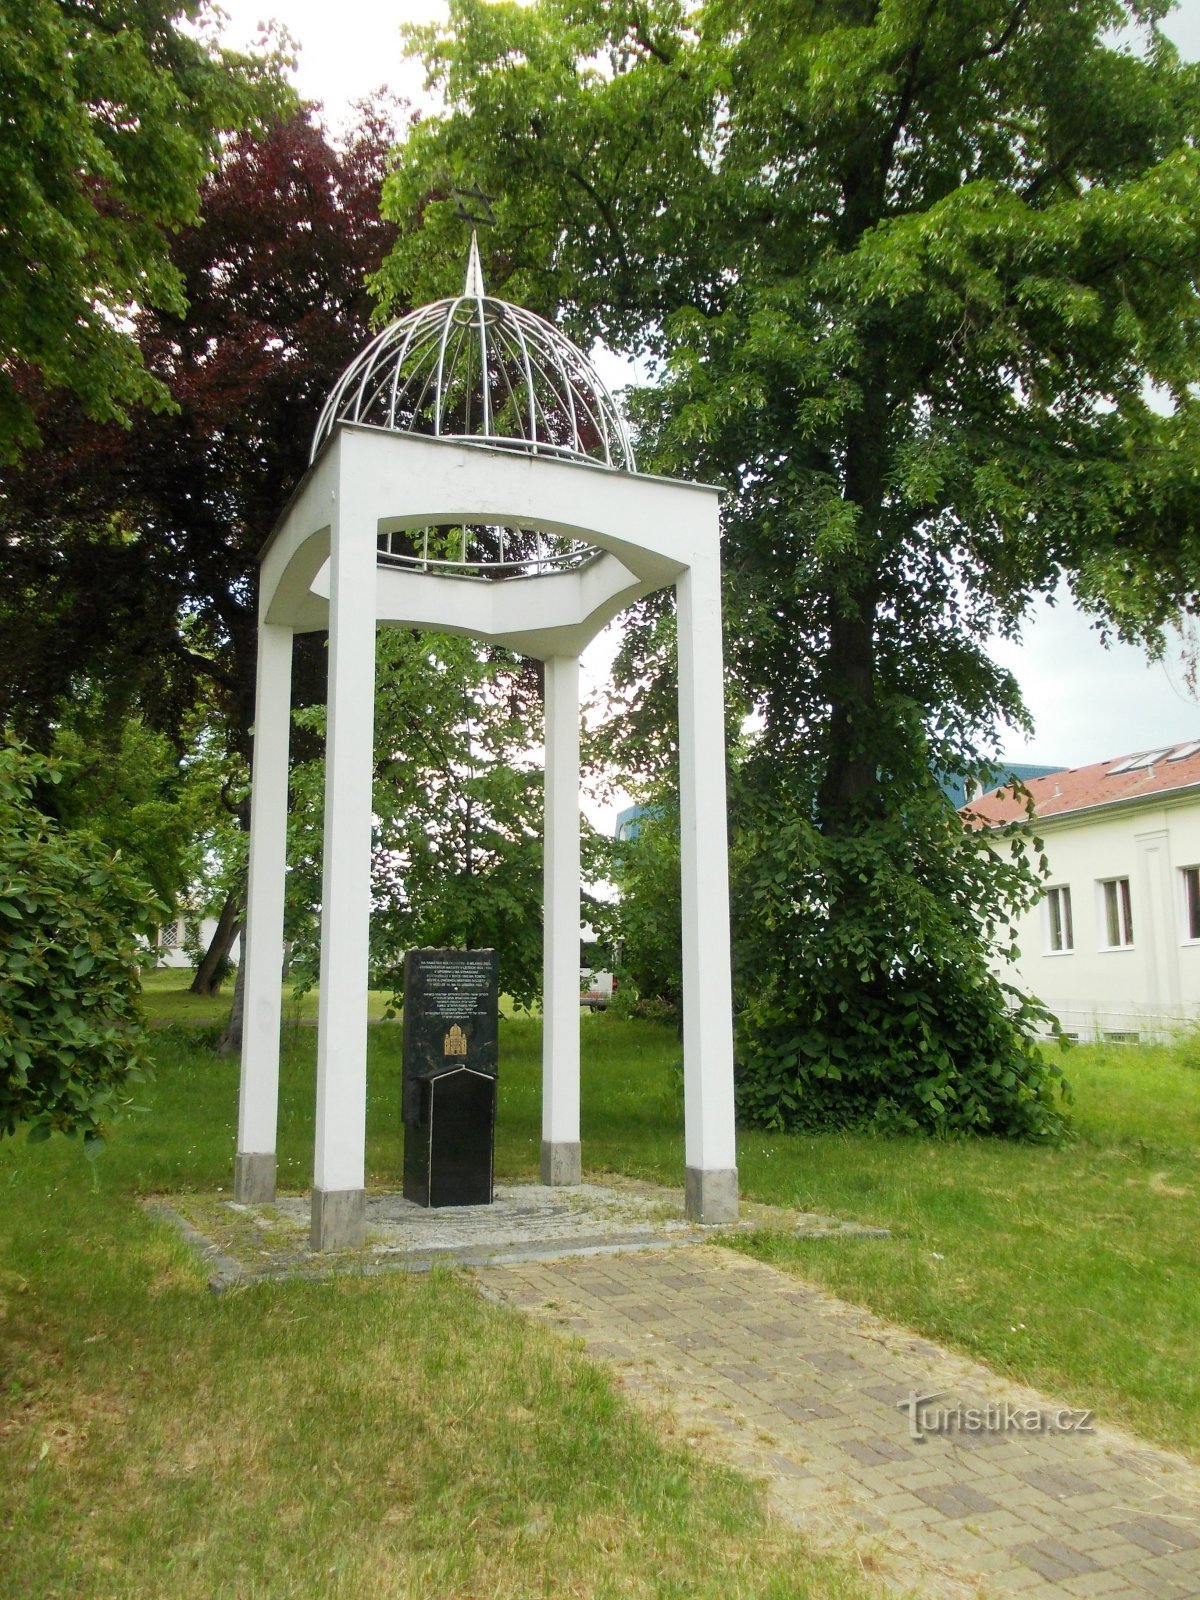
[1116,913]
[1189,878]
[1059,931]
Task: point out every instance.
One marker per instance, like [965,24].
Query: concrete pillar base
[338,1219]
[561,1163]
[710,1195]
[254,1178]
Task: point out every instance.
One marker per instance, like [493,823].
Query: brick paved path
[797,1387]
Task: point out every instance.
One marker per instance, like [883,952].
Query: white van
[595,988]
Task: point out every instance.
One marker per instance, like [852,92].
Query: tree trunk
[212,969]
[231,1039]
[849,787]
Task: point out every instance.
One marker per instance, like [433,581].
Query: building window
[172,936]
[1191,902]
[1060,931]
[1118,916]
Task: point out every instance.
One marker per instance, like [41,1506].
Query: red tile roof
[1080,788]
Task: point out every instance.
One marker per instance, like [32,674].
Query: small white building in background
[1113,946]
[179,939]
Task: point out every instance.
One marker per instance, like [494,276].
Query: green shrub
[72,1035]
[887,1016]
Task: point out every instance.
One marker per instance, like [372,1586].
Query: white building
[1113,946]
[180,939]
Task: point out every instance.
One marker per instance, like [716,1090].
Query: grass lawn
[389,1437]
[1076,1270]
[397,1436]
[165,991]
[168,1000]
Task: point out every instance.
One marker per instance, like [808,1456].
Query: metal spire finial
[474,283]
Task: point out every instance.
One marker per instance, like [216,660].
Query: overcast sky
[1089,703]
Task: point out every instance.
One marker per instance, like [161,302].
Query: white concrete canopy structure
[418,512]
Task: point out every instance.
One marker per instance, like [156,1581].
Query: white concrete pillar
[1156,931]
[339,1172]
[711,1192]
[262,935]
[561,1160]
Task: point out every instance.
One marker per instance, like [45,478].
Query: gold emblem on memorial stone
[455,1043]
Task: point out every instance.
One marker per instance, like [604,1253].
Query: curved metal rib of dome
[480,370]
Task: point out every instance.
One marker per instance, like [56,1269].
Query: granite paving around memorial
[947,1480]
[245,1243]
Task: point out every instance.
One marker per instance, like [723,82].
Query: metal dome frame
[327,566]
[481,370]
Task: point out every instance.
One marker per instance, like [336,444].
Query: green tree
[124,784]
[114,114]
[458,809]
[72,1037]
[911,269]
[129,556]
[644,922]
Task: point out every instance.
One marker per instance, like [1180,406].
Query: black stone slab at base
[460,1130]
[451,1034]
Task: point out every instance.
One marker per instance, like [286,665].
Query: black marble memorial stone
[451,1036]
